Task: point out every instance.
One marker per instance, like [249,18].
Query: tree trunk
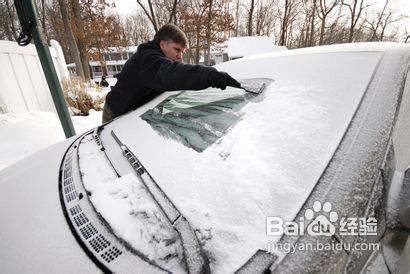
[150,14]
[322,30]
[70,37]
[312,24]
[379,19]
[282,41]
[250,18]
[237,18]
[173,12]
[75,5]
[351,31]
[153,16]
[198,29]
[11,30]
[355,13]
[208,36]
[43,19]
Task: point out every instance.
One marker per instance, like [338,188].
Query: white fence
[23,86]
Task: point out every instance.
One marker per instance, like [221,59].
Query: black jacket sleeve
[163,74]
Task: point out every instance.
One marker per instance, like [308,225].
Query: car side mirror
[398,202]
[404,201]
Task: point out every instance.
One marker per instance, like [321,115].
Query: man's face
[172,50]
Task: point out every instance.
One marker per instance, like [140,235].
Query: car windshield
[228,159]
[197,119]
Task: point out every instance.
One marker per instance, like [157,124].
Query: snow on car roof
[356,47]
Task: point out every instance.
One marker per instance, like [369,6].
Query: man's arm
[163,74]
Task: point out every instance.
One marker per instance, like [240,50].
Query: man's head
[172,41]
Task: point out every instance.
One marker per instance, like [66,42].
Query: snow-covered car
[311,175]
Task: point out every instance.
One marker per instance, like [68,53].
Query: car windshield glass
[197,119]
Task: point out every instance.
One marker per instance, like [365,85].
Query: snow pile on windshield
[232,186]
[126,205]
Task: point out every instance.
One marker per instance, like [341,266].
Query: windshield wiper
[195,258]
[99,143]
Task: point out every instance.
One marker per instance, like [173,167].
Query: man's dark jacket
[148,73]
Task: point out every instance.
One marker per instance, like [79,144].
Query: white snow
[25,133]
[229,200]
[129,209]
[268,164]
[251,45]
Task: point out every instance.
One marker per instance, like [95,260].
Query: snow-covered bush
[82,96]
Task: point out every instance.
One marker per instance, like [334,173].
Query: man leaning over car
[157,67]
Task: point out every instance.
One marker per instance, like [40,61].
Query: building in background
[114,62]
[234,48]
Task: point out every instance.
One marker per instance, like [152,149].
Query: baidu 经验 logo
[321,221]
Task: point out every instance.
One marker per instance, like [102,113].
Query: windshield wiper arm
[195,258]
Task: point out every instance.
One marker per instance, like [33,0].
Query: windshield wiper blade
[99,143]
[196,260]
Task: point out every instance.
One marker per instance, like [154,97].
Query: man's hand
[220,79]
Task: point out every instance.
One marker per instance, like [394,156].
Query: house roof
[251,45]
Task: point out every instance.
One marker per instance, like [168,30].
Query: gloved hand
[220,79]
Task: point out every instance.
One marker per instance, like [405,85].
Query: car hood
[35,236]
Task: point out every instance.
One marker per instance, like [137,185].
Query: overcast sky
[126,7]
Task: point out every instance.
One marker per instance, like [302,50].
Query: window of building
[115,56]
[107,57]
[96,68]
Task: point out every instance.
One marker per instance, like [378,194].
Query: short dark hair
[171,32]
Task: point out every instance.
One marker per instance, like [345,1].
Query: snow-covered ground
[26,133]
[22,134]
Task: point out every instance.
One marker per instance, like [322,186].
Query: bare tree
[70,37]
[250,17]
[137,27]
[41,4]
[307,29]
[8,20]
[375,26]
[356,8]
[323,10]
[287,19]
[265,17]
[336,31]
[194,21]
[80,37]
[150,14]
[55,27]
[172,16]
[208,34]
[387,20]
[382,20]
[312,23]
[237,12]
